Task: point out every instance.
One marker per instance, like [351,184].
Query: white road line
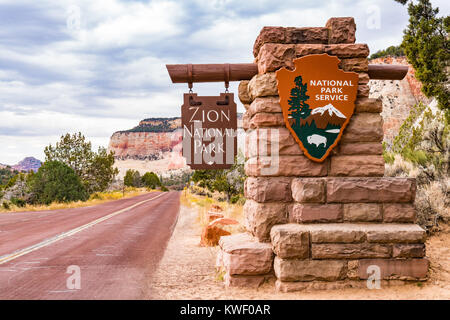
[47,242]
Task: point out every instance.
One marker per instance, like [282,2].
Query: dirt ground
[187,272]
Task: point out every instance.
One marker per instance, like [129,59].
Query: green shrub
[18,202]
[56,181]
[132,178]
[5,205]
[95,169]
[150,180]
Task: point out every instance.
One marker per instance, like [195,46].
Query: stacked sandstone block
[319,224]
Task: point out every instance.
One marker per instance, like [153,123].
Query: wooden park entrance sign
[318,100]
[310,218]
[213,115]
[209,131]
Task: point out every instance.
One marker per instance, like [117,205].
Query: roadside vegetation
[217,197]
[94,199]
[226,184]
[73,175]
[149,180]
[192,198]
[392,51]
[422,146]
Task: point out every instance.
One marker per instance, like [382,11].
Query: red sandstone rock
[368,105]
[246,121]
[273,56]
[393,233]
[266,105]
[363,78]
[212,232]
[308,190]
[306,49]
[268,141]
[362,212]
[243,92]
[309,35]
[263,85]
[242,281]
[269,35]
[309,270]
[341,30]
[364,127]
[350,251]
[398,212]
[363,90]
[357,165]
[288,242]
[243,255]
[312,213]
[143,145]
[361,148]
[408,251]
[268,189]
[266,120]
[347,50]
[354,64]
[371,189]
[285,166]
[413,269]
[261,217]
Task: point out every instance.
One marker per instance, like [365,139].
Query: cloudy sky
[98,66]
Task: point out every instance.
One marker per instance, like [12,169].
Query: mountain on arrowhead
[330,109]
[324,116]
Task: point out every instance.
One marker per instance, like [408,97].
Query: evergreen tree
[56,181]
[95,169]
[151,180]
[299,109]
[132,178]
[427,46]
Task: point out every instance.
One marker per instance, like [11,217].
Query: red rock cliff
[150,140]
[398,96]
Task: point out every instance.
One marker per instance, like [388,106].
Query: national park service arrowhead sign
[318,100]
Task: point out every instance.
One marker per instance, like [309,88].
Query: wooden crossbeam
[179,73]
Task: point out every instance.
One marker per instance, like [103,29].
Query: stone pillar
[325,222]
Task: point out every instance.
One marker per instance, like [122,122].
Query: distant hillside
[28,164]
[6,173]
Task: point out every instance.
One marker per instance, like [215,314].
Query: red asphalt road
[115,256]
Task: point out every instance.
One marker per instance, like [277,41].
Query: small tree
[132,178]
[427,46]
[151,180]
[100,173]
[95,170]
[56,181]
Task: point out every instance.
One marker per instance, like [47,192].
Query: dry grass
[432,203]
[95,199]
[401,168]
[203,204]
[432,196]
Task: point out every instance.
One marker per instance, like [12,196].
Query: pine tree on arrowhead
[299,109]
